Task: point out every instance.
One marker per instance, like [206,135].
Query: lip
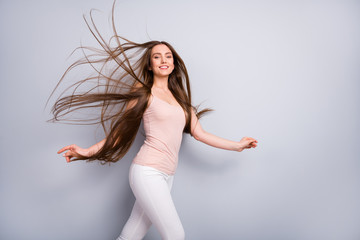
[164,67]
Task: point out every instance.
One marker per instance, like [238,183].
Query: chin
[163,74]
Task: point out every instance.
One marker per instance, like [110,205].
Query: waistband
[137,165]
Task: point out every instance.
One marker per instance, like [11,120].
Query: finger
[253,141]
[250,139]
[64,149]
[250,145]
[67,159]
[67,154]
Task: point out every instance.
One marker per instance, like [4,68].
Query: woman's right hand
[73,151]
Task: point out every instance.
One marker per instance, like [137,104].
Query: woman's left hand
[246,142]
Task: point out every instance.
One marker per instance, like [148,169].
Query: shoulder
[136,86]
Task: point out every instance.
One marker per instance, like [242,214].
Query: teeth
[164,67]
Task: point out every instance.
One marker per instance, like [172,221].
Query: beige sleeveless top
[163,124]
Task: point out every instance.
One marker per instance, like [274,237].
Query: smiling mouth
[164,67]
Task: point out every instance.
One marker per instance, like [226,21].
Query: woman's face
[161,61]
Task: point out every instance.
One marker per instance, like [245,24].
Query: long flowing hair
[121,75]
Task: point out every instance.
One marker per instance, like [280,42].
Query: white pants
[153,204]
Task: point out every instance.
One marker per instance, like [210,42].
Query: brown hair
[129,79]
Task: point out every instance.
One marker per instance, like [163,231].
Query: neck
[161,82]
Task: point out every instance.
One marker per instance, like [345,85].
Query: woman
[149,82]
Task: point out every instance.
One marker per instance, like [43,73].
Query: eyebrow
[160,53]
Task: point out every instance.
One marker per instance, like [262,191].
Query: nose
[163,60]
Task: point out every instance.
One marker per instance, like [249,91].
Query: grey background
[283,72]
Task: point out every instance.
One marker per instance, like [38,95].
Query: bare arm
[96,147]
[201,135]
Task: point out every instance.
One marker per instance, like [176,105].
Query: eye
[169,56]
[156,57]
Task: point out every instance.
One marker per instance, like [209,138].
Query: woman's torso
[163,124]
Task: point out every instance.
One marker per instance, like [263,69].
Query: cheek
[152,64]
[172,64]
